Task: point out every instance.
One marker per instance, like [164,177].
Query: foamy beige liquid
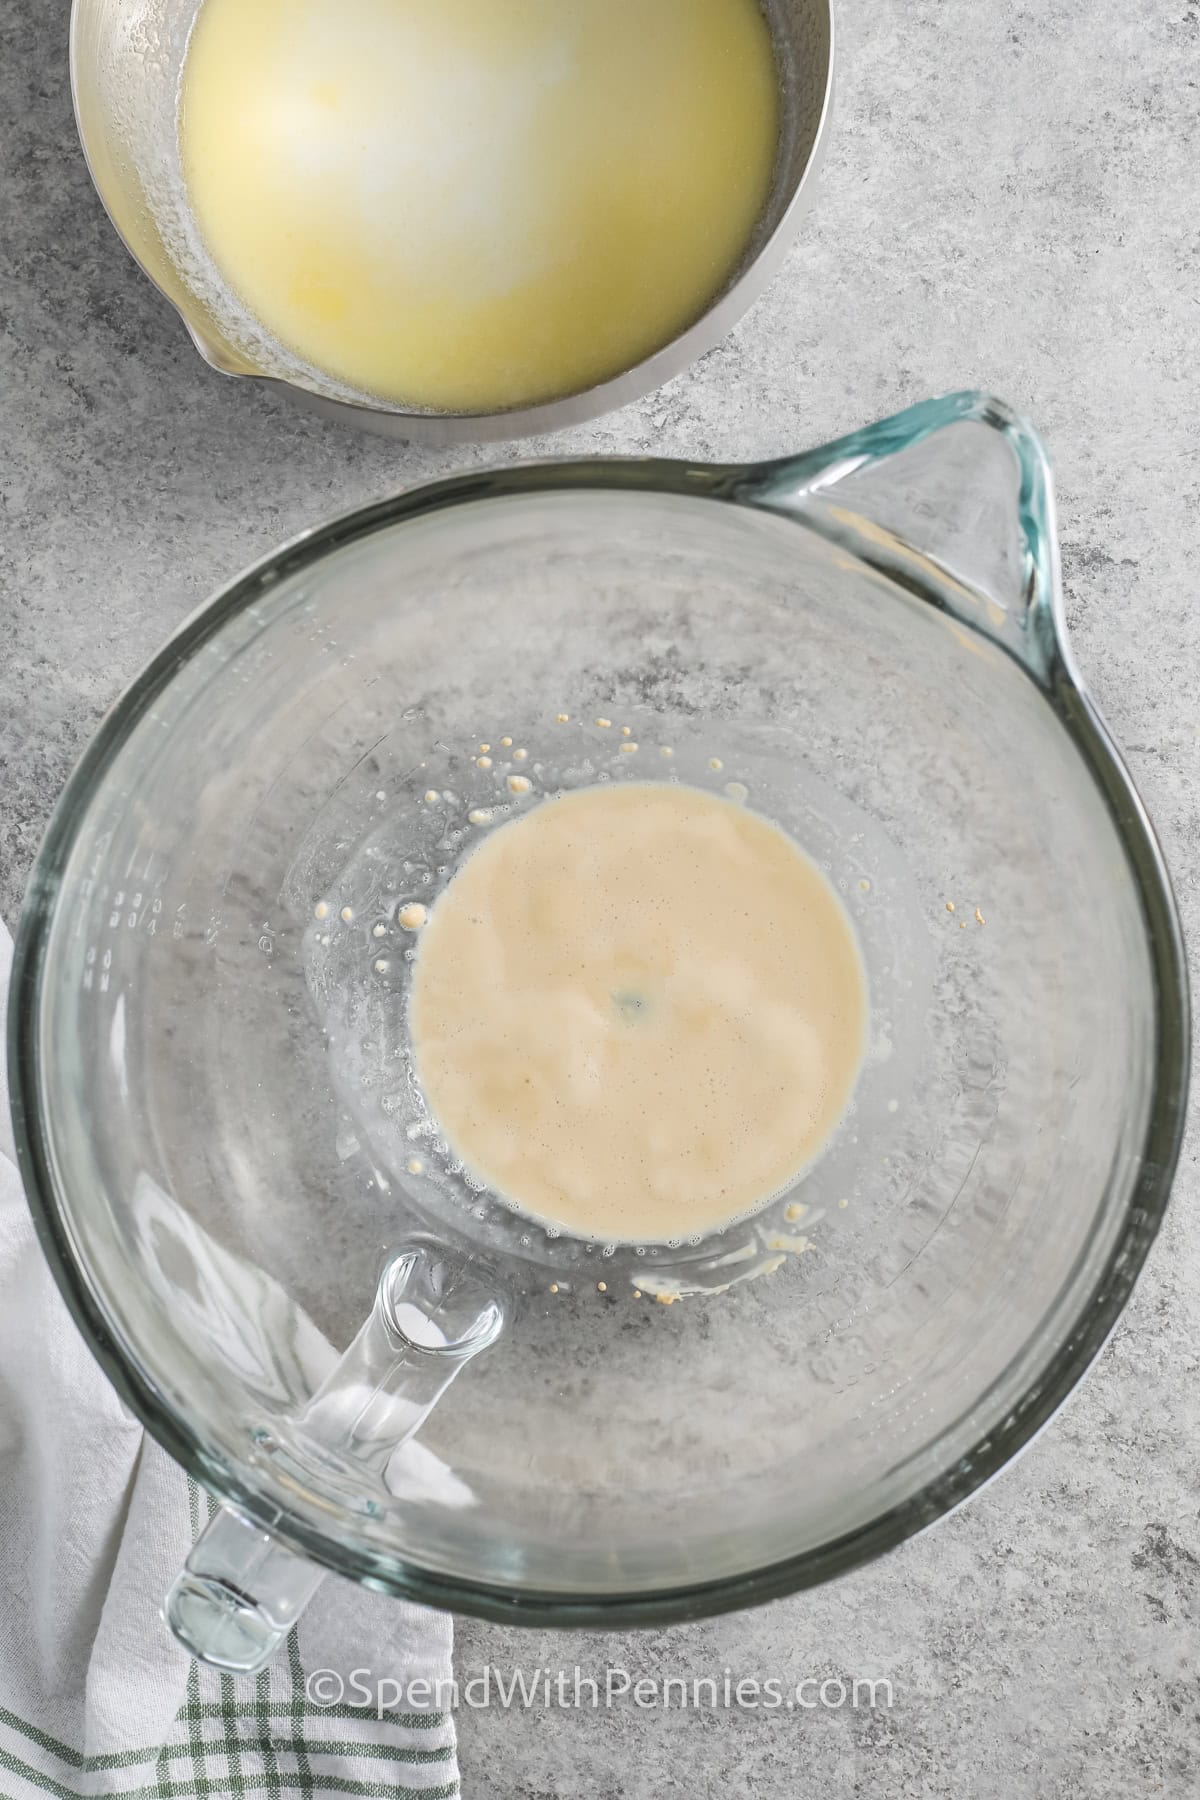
[638,1011]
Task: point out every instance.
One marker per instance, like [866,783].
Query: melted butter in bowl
[638,1012]
[471,205]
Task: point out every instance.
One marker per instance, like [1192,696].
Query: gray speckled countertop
[1011,201]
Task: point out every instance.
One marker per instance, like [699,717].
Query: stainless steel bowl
[126,60]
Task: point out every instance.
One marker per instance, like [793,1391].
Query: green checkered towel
[95,1520]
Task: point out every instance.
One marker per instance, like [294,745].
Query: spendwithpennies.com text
[362,1690]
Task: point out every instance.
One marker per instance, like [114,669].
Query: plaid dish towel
[96,1698]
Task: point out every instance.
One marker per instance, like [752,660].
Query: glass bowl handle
[241,1589]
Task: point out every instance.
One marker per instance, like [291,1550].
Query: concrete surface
[1012,201]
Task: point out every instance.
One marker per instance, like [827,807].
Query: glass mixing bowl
[229,1158]
[127,57]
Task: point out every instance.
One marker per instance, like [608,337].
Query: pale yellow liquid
[638,1011]
[473,204]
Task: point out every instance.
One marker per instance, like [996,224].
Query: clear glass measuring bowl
[229,1159]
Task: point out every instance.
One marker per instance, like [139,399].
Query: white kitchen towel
[95,1521]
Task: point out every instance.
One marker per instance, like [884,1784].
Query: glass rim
[1042,1396]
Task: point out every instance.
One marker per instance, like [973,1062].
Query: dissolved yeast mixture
[637,1011]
